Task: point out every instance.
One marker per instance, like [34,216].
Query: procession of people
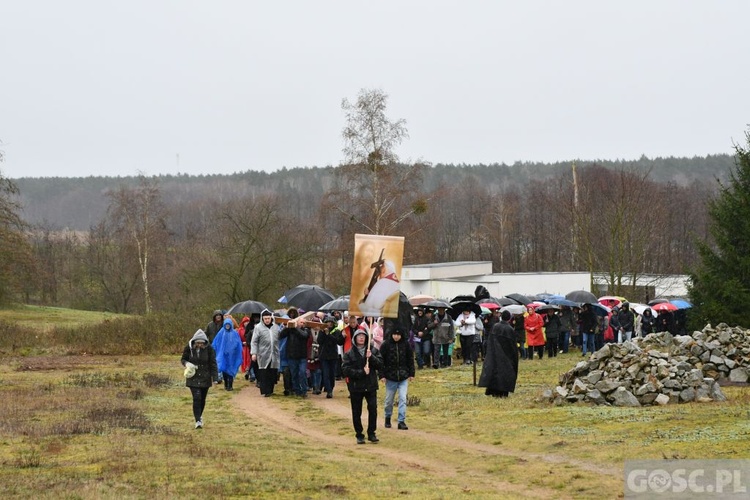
[309,353]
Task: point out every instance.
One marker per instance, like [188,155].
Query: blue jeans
[588,342]
[391,386]
[298,369]
[425,352]
[565,341]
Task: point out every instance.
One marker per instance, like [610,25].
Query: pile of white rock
[659,369]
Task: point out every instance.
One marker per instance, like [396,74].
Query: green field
[119,426]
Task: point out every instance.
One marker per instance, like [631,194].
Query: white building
[445,280]
[448,279]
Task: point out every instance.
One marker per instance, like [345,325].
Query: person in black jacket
[199,359]
[360,367]
[296,352]
[648,322]
[424,345]
[552,329]
[587,320]
[329,338]
[626,320]
[398,371]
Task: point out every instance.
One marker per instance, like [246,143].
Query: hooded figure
[329,340]
[647,322]
[216,323]
[228,347]
[264,349]
[245,330]
[199,353]
[361,366]
[398,370]
[500,369]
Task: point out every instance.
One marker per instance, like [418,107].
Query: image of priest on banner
[386,287]
[376,275]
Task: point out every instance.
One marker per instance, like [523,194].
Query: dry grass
[121,427]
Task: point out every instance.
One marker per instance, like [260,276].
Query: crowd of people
[307,357]
[310,355]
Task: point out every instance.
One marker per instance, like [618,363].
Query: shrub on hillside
[17,339]
[153,334]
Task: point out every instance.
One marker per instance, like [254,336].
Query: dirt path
[250,402]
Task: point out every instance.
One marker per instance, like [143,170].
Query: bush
[15,338]
[158,333]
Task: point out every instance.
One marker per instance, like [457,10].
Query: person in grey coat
[264,349]
[199,360]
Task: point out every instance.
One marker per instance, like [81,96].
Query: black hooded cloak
[500,368]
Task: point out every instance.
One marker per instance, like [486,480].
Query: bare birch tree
[374,190]
[140,214]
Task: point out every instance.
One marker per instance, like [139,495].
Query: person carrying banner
[360,367]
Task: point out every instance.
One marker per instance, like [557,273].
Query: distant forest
[180,242]
[80,202]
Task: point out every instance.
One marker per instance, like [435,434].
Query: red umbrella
[664,306]
[490,305]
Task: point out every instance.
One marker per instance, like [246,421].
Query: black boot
[402,426]
[388,422]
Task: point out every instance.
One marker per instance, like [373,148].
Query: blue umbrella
[681,304]
[551,297]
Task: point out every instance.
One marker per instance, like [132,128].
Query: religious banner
[375,275]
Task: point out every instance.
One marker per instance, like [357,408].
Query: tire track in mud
[251,403]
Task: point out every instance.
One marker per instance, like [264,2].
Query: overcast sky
[100,87]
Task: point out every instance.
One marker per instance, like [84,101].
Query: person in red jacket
[348,332]
[534,324]
[243,330]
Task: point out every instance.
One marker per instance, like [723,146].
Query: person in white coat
[264,349]
[466,322]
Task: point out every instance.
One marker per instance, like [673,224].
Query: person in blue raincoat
[228,347]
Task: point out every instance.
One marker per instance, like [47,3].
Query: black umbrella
[519,298]
[435,304]
[308,297]
[505,301]
[339,304]
[547,308]
[657,301]
[463,298]
[582,296]
[247,307]
[459,307]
